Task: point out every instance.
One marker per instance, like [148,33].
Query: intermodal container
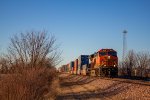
[67,68]
[71,65]
[75,66]
[85,70]
[83,60]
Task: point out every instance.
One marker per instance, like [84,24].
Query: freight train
[101,63]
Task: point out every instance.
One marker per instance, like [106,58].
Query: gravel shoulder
[77,87]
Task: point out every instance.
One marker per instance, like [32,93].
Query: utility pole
[124,45]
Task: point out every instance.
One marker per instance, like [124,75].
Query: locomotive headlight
[114,65]
[104,65]
[108,57]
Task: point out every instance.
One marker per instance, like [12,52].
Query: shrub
[31,84]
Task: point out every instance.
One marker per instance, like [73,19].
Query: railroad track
[125,80]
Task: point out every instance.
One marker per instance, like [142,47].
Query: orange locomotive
[104,63]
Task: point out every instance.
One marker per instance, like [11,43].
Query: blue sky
[80,26]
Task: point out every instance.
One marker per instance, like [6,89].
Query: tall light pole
[124,45]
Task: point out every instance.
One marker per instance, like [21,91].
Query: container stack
[82,60]
[67,68]
[75,66]
[71,67]
[84,69]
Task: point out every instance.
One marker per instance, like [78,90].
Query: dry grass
[30,84]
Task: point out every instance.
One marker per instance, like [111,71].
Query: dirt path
[74,87]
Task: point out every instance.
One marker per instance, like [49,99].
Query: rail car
[101,63]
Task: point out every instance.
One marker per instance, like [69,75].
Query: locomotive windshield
[103,53]
[112,53]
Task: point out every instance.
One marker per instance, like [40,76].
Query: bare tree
[137,64]
[122,69]
[129,62]
[32,49]
[143,62]
[128,65]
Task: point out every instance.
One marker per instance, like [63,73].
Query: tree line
[135,65]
